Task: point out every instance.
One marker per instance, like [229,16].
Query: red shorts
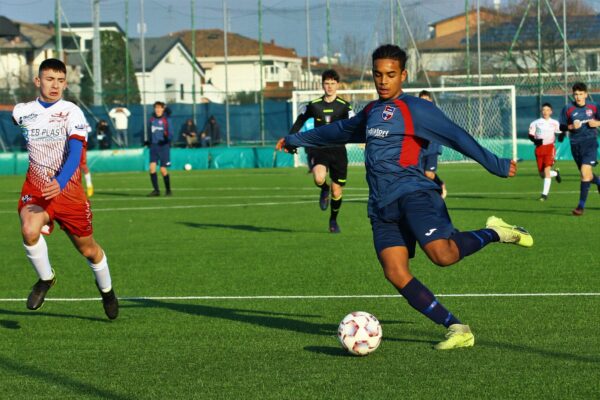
[544,156]
[71,209]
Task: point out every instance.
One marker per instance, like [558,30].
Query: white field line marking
[189,206]
[317,297]
[238,197]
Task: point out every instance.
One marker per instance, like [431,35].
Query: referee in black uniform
[326,109]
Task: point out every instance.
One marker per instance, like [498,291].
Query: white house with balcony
[281,71]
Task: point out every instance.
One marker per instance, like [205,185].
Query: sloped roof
[209,43]
[38,35]
[582,31]
[8,27]
[155,48]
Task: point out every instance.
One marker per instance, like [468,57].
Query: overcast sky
[283,20]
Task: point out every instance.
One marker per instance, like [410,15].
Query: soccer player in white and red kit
[542,132]
[55,132]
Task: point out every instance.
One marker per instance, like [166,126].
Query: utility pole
[468,43]
[540,54]
[308,45]
[226,54]
[58,30]
[260,57]
[127,66]
[392,36]
[193,12]
[565,50]
[478,44]
[328,42]
[143,51]
[96,56]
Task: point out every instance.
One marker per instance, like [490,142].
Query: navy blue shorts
[430,162]
[585,152]
[416,217]
[161,153]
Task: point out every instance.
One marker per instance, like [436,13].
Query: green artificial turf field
[233,289]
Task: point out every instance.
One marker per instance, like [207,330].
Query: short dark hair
[424,93]
[547,105]
[392,52]
[53,64]
[330,74]
[159,103]
[579,87]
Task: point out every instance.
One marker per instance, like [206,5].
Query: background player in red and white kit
[542,132]
[55,132]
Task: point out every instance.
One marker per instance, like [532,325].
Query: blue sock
[473,241]
[583,193]
[422,300]
[596,180]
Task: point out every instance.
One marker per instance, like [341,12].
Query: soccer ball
[359,333]
[187,167]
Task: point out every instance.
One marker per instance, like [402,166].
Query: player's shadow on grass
[249,228]
[267,319]
[8,324]
[52,315]
[55,379]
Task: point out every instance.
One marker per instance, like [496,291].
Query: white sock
[88,179]
[553,174]
[102,274]
[38,257]
[547,183]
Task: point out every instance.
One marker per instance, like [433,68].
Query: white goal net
[486,112]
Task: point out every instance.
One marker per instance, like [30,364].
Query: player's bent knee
[30,235]
[442,256]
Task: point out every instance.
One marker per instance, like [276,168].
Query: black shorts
[335,159]
[585,152]
[162,153]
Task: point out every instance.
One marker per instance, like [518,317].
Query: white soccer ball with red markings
[360,333]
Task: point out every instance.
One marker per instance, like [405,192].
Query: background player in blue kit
[431,154]
[581,118]
[161,134]
[405,206]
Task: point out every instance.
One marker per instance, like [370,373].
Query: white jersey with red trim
[47,132]
[545,129]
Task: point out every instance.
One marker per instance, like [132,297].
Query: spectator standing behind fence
[189,133]
[120,116]
[212,131]
[103,135]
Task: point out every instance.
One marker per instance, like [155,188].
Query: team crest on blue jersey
[388,113]
[589,112]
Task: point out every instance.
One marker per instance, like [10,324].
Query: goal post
[488,113]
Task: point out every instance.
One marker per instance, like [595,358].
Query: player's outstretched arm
[432,124]
[337,133]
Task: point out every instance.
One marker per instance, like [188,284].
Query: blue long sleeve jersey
[572,112]
[396,132]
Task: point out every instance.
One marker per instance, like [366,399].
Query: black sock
[167,180]
[323,186]
[596,180]
[422,300]
[154,180]
[438,181]
[473,241]
[335,207]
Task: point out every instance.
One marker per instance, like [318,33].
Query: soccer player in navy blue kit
[161,133]
[405,206]
[431,154]
[581,118]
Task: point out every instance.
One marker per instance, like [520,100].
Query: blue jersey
[572,112]
[161,130]
[433,149]
[396,133]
